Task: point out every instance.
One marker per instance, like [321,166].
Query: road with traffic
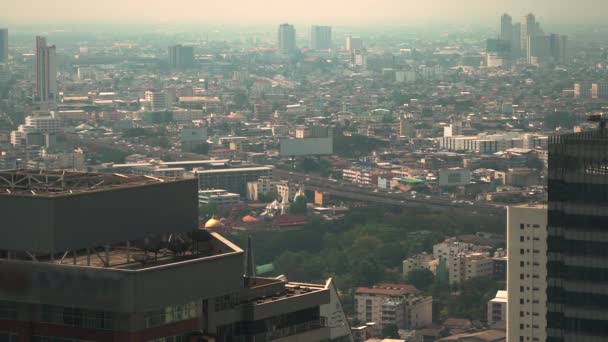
[355,192]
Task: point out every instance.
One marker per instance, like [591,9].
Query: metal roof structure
[61,182]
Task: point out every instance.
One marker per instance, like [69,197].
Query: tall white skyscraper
[526,273]
[528,28]
[287,38]
[354,43]
[46,74]
[320,37]
[3,45]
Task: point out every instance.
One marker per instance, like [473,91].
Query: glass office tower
[577,244]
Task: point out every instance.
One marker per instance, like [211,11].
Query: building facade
[140,269]
[3,45]
[46,74]
[402,305]
[577,251]
[465,266]
[320,37]
[231,179]
[497,311]
[181,57]
[217,197]
[287,38]
[526,272]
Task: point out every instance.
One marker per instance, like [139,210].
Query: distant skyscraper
[515,41]
[577,244]
[181,57]
[563,45]
[46,73]
[320,37]
[506,27]
[528,28]
[354,43]
[287,38]
[3,45]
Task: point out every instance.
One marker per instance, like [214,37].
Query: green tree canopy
[390,331]
[298,206]
[421,278]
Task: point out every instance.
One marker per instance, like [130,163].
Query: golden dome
[213,223]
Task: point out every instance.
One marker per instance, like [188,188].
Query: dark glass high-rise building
[577,244]
[3,45]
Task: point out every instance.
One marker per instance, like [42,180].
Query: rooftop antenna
[249,263]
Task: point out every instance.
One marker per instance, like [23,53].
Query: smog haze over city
[289,171]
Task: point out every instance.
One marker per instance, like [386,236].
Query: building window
[226,302]
[41,338]
[178,338]
[87,318]
[8,310]
[171,314]
[8,337]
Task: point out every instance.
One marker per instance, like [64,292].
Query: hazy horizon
[336,12]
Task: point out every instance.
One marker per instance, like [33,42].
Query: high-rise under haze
[287,38]
[46,73]
[528,28]
[506,27]
[181,57]
[354,43]
[320,37]
[3,45]
[577,244]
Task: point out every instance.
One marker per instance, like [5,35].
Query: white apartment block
[72,160]
[398,304]
[264,185]
[361,176]
[465,266]
[217,197]
[492,143]
[420,261]
[451,246]
[156,99]
[497,311]
[526,273]
[40,122]
[44,122]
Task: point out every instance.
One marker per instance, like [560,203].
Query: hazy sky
[301,11]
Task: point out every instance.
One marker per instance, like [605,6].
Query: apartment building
[527,272]
[402,305]
[465,266]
